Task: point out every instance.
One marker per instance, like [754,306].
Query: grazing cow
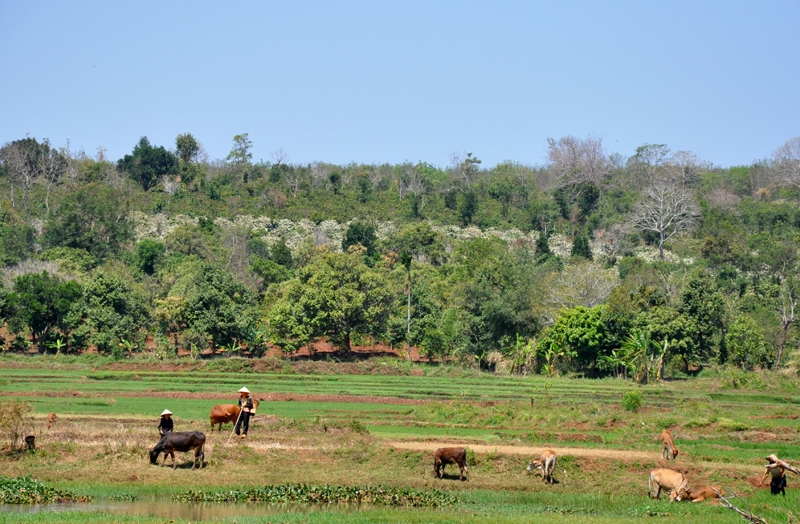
[546,463]
[224,413]
[668,449]
[446,456]
[699,494]
[179,441]
[51,420]
[667,479]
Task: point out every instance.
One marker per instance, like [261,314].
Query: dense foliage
[326,494]
[594,263]
[25,490]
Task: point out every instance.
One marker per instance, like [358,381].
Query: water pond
[179,510]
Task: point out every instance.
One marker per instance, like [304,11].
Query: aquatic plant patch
[326,494]
[25,490]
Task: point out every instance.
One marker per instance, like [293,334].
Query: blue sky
[378,81]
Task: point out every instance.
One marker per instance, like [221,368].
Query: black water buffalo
[179,441]
[444,456]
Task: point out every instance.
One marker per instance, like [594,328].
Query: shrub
[25,490]
[632,401]
[14,420]
[310,494]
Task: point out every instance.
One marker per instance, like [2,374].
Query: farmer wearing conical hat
[166,425]
[246,407]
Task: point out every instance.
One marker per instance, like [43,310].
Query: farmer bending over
[166,425]
[246,407]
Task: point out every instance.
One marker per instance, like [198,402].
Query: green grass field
[337,431]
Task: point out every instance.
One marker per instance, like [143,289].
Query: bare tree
[685,166]
[51,165]
[319,174]
[465,167]
[21,167]
[280,157]
[581,284]
[573,161]
[789,292]
[171,186]
[787,161]
[294,177]
[666,208]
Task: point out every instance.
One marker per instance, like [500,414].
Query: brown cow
[668,449]
[51,420]
[672,481]
[224,413]
[699,494]
[546,463]
[444,456]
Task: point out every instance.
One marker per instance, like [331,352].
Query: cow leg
[172,454]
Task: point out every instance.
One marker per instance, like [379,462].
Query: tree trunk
[408,319]
[661,245]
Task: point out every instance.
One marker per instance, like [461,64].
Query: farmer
[165,425]
[246,407]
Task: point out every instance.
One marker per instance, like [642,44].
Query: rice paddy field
[345,425]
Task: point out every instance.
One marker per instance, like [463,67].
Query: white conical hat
[244,390]
[166,412]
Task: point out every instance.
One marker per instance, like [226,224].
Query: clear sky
[379,81]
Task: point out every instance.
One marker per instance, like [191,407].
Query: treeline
[594,263]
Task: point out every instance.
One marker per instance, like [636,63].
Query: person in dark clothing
[166,425]
[246,408]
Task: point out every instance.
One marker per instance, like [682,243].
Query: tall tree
[148,164]
[335,296]
[41,302]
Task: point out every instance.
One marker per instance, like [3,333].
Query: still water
[183,510]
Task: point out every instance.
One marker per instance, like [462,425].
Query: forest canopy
[594,263]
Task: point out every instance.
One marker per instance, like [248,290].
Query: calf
[446,456]
[546,463]
[179,441]
[51,420]
[699,494]
[668,449]
[667,479]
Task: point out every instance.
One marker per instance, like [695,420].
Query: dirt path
[530,450]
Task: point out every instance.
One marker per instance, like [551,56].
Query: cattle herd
[661,479]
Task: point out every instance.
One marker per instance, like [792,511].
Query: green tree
[114,310]
[362,233]
[745,343]
[94,218]
[148,164]
[216,304]
[149,253]
[269,271]
[187,147]
[41,302]
[702,306]
[335,296]
[467,207]
[580,247]
[280,253]
[583,332]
